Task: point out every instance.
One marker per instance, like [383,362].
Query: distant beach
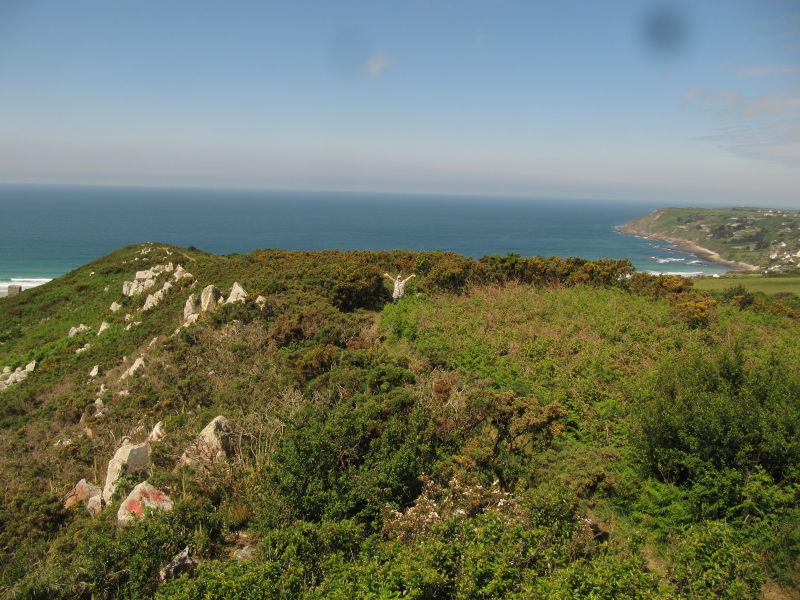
[59,228]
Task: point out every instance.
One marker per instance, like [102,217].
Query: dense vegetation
[514,427]
[765,237]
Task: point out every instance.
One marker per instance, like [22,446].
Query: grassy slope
[714,228]
[304,380]
[753,283]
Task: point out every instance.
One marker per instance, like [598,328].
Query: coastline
[691,247]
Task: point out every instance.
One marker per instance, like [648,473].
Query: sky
[628,99]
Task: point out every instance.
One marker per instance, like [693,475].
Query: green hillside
[768,238]
[513,428]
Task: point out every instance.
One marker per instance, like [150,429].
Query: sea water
[47,231]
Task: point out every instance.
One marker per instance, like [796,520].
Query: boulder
[134,288]
[30,366]
[95,504]
[73,331]
[129,458]
[209,298]
[211,446]
[82,492]
[181,563]
[95,370]
[137,364]
[142,496]
[181,273]
[115,306]
[192,307]
[103,327]
[237,294]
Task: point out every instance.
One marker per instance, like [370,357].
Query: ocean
[49,230]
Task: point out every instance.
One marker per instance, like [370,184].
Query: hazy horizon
[636,101]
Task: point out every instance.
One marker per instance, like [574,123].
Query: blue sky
[630,99]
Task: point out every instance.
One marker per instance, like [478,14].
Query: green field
[753,283]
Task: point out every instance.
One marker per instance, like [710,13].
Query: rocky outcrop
[180,564]
[134,288]
[141,497]
[129,458]
[73,331]
[154,272]
[9,377]
[153,299]
[115,306]
[211,446]
[103,327]
[191,310]
[137,364]
[181,273]
[209,298]
[82,492]
[237,294]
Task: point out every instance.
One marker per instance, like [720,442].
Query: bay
[49,230]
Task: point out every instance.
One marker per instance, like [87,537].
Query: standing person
[399,286]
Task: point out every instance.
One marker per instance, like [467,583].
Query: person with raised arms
[399,286]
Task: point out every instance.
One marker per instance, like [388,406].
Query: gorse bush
[517,427]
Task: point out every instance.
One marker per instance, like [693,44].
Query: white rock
[137,364]
[142,496]
[154,299]
[237,294]
[95,504]
[180,273]
[103,327]
[134,288]
[30,366]
[92,273]
[129,458]
[95,370]
[84,348]
[73,331]
[209,298]
[115,306]
[212,445]
[191,307]
[157,434]
[261,302]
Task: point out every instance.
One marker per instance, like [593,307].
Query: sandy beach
[691,247]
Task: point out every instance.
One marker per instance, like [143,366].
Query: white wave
[24,282]
[681,273]
[667,260]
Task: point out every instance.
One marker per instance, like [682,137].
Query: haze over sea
[50,230]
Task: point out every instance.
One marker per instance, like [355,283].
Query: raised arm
[388,276]
[409,277]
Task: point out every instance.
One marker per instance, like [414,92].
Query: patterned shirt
[399,288]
